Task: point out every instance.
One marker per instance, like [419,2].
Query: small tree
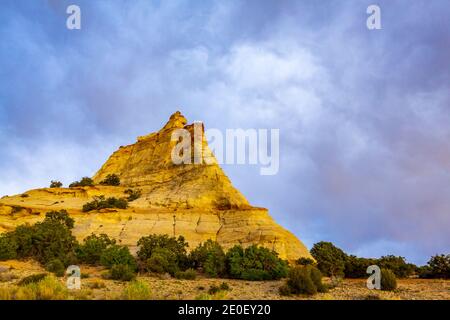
[210,257]
[55,184]
[175,246]
[101,202]
[398,265]
[93,247]
[111,180]
[115,255]
[303,280]
[8,247]
[357,267]
[330,259]
[84,182]
[438,267]
[61,216]
[255,263]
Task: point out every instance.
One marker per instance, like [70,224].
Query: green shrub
[111,180]
[398,265]
[330,259]
[115,255]
[102,203]
[299,282]
[46,240]
[8,247]
[316,277]
[133,194]
[84,182]
[171,248]
[188,274]
[438,267]
[93,247]
[255,263]
[224,286]
[213,289]
[56,266]
[122,272]
[60,216]
[388,280]
[305,261]
[162,260]
[357,267]
[55,184]
[210,257]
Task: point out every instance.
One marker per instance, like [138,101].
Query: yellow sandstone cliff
[197,201]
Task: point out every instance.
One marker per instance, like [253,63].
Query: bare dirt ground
[95,287]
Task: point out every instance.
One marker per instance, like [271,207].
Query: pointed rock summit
[147,164]
[197,201]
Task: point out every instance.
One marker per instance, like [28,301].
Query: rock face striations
[197,200]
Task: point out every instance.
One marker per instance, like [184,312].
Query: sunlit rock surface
[197,201]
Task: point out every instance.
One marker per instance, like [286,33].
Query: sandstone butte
[196,201]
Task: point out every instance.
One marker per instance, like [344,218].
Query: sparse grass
[49,288]
[7,277]
[189,274]
[136,290]
[34,278]
[97,284]
[372,297]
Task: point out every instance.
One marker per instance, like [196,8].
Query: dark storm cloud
[363,115]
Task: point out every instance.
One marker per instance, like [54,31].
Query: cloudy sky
[364,116]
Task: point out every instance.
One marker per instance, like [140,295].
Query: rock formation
[197,201]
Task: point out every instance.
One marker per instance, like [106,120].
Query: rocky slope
[197,201]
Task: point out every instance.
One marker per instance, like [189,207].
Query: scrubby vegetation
[305,261]
[84,182]
[438,267]
[117,255]
[43,288]
[133,194]
[102,203]
[189,274]
[92,248]
[356,267]
[330,259]
[210,258]
[56,184]
[122,272]
[303,280]
[255,263]
[45,241]
[162,254]
[388,280]
[56,266]
[136,290]
[111,180]
[334,262]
